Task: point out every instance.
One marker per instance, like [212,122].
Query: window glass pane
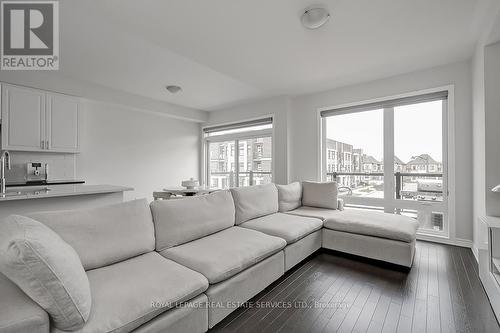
[354,153]
[252,166]
[221,169]
[255,161]
[418,149]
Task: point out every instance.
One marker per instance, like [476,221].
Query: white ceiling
[224,52]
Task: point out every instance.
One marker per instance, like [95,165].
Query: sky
[417,130]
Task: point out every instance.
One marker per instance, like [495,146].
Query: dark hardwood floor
[334,293]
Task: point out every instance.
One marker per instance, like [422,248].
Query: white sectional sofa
[176,265]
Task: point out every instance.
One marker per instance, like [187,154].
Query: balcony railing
[242,176]
[418,186]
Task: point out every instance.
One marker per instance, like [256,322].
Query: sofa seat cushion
[289,227]
[320,213]
[369,223]
[226,253]
[127,294]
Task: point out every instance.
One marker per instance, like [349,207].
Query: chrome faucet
[4,162]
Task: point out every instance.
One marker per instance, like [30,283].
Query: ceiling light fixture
[314,17]
[174,89]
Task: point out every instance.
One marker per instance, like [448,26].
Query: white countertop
[53,191]
[491,221]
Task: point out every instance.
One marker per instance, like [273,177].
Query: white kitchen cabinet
[62,123]
[37,120]
[23,118]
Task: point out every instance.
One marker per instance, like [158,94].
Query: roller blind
[441,95]
[250,123]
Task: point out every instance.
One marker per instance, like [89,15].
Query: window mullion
[237,162]
[389,189]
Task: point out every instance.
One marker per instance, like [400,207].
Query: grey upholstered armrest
[19,312]
[340,204]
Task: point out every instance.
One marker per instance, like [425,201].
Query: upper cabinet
[36,120]
[23,119]
[62,123]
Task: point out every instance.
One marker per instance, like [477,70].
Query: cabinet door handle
[43,144]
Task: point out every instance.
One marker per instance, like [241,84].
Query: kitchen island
[23,200]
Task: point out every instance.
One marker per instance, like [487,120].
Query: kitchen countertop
[53,191]
[45,182]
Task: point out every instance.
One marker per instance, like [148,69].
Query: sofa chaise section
[375,235]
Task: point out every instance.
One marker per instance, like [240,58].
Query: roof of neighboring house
[338,145]
[397,160]
[370,159]
[422,159]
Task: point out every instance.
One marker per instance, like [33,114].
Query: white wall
[479,149]
[303,126]
[144,150]
[274,106]
[492,123]
[486,163]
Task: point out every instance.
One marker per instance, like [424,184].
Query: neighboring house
[371,164]
[424,163]
[255,161]
[399,165]
[339,156]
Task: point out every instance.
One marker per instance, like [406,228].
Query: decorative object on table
[190,184]
[180,192]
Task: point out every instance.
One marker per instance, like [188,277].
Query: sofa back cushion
[179,221]
[254,201]
[105,235]
[321,195]
[289,196]
[47,269]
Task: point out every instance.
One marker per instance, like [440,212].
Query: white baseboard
[436,239]
[475,252]
[463,242]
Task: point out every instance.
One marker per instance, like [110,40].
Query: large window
[239,154]
[391,156]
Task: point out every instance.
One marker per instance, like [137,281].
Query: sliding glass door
[391,156]
[354,151]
